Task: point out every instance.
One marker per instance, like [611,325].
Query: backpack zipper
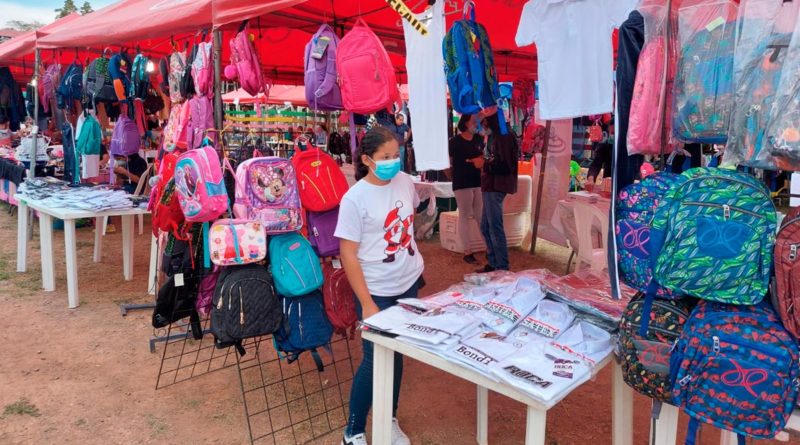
[299,277]
[241,307]
[315,186]
[333,188]
[725,178]
[726,209]
[311,263]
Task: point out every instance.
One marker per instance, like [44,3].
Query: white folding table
[383,377]
[46,215]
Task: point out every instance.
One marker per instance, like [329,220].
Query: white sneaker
[398,436]
[358,439]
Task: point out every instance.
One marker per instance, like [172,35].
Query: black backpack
[163,68]
[187,81]
[181,262]
[245,305]
[97,84]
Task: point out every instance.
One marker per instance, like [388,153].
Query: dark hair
[3,117]
[369,145]
[493,123]
[463,121]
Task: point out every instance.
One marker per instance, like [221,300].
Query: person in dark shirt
[129,170]
[466,161]
[499,178]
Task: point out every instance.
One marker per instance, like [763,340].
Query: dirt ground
[87,376]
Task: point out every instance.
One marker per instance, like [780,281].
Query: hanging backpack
[201,120]
[91,137]
[177,64]
[71,87]
[322,89]
[153,103]
[367,78]
[125,141]
[97,85]
[167,214]
[203,70]
[51,79]
[245,66]
[321,227]
[200,186]
[713,236]
[644,359]
[140,78]
[304,328]
[321,182]
[469,67]
[636,208]
[72,164]
[174,302]
[119,68]
[266,190]
[787,273]
[295,267]
[340,302]
[244,306]
[649,100]
[735,367]
[163,69]
[234,242]
[187,81]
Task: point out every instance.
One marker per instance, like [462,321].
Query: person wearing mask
[381,260]
[466,161]
[498,179]
[403,134]
[320,135]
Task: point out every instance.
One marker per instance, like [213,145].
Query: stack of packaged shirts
[506,310]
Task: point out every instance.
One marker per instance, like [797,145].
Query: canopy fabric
[26,43]
[235,11]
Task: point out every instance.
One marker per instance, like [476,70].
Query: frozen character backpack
[367,78]
[322,89]
[200,186]
[266,190]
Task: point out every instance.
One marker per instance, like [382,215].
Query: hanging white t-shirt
[574,53]
[427,91]
[381,220]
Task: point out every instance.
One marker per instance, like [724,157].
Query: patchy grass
[5,270]
[157,425]
[193,403]
[21,407]
[80,423]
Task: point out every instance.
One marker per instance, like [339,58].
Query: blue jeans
[402,158]
[361,392]
[493,231]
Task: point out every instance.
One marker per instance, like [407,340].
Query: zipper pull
[219,303]
[241,308]
[793,252]
[716,344]
[726,211]
[684,381]
[316,233]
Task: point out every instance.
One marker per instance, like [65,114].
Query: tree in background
[68,8]
[19,25]
[86,8]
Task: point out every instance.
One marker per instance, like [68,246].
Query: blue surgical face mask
[387,169]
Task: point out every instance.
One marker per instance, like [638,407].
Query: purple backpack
[125,141]
[321,226]
[201,119]
[322,89]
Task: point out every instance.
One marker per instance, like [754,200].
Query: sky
[41,10]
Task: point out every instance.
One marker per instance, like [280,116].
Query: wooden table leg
[46,247]
[667,425]
[98,239]
[483,416]
[127,247]
[22,237]
[622,415]
[535,427]
[382,384]
[72,263]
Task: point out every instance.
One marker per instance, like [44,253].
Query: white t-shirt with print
[575,53]
[381,220]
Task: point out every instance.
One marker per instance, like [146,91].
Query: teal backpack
[713,236]
[295,267]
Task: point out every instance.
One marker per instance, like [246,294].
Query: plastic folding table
[383,377]
[46,215]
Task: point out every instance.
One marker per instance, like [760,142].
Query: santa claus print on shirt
[398,232]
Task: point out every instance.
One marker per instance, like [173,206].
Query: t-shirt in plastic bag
[388,320]
[484,349]
[436,326]
[505,311]
[549,319]
[783,128]
[586,342]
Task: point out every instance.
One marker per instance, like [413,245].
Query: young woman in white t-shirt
[380,257]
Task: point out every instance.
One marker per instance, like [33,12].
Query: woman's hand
[478,162]
[368,310]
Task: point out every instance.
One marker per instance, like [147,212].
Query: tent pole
[35,130]
[540,188]
[217,50]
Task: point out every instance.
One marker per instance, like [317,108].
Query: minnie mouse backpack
[266,190]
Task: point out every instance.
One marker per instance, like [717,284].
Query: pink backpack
[181,129]
[368,80]
[646,117]
[201,119]
[200,185]
[51,79]
[245,65]
[203,70]
[266,191]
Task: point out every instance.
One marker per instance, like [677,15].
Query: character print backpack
[199,184]
[713,237]
[234,242]
[203,70]
[340,302]
[51,79]
[786,292]
[304,328]
[735,367]
[266,190]
[295,267]
[644,359]
[321,182]
[636,208]
[177,64]
[322,89]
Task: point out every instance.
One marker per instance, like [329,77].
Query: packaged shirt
[390,319]
[575,53]
[475,300]
[427,90]
[436,326]
[549,319]
[381,220]
[484,349]
[505,311]
[542,371]
[434,301]
[585,341]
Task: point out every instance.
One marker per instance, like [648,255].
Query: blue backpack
[305,328]
[735,367]
[71,87]
[140,78]
[635,211]
[295,267]
[471,74]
